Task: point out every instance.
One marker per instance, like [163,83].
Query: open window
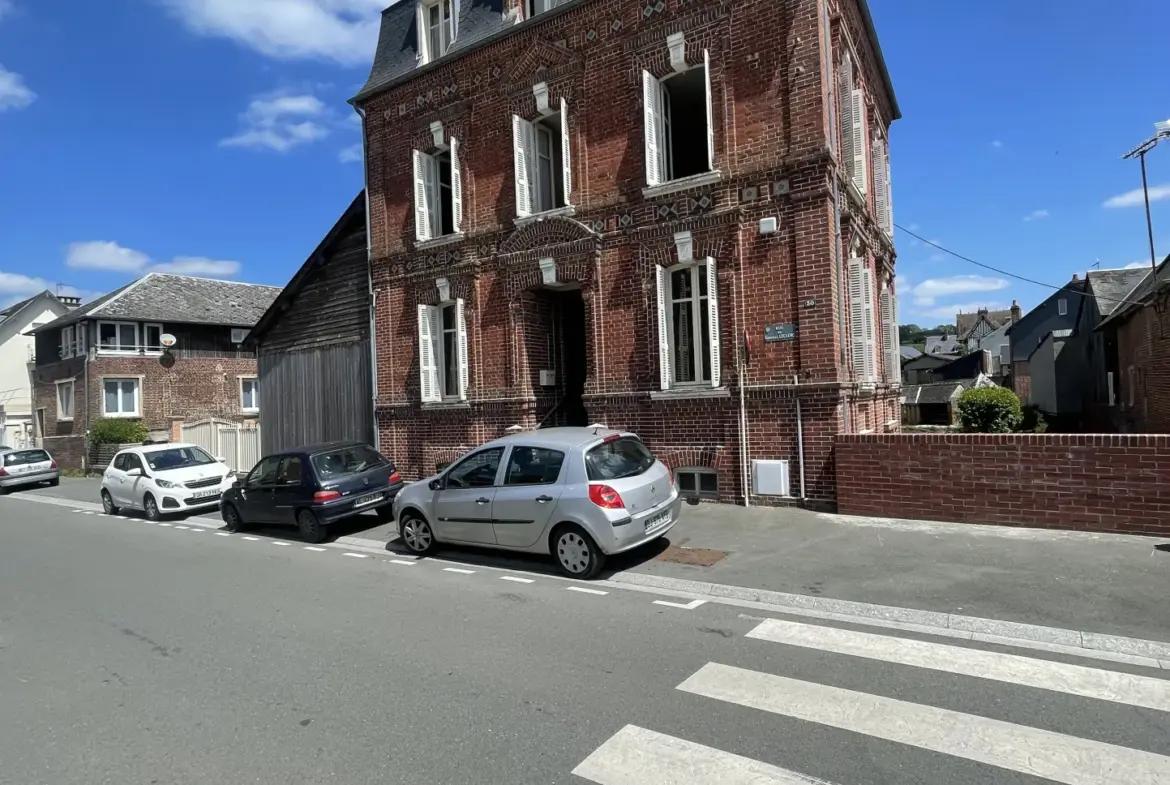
[438,193]
[679,124]
[437,23]
[442,337]
[543,165]
[688,325]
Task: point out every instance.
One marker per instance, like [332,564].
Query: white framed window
[437,23]
[65,400]
[67,342]
[152,338]
[118,337]
[854,131]
[442,341]
[249,394]
[688,325]
[679,124]
[862,340]
[703,483]
[438,193]
[1062,307]
[891,350]
[121,397]
[543,162]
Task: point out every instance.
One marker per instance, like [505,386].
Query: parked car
[579,494]
[164,478]
[312,487]
[27,467]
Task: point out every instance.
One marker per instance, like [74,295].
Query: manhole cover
[700,557]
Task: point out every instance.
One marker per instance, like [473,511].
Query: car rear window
[351,459]
[625,456]
[22,457]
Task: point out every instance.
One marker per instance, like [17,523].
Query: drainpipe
[370,286]
[741,322]
[85,435]
[799,438]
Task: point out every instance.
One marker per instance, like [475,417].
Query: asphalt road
[138,653]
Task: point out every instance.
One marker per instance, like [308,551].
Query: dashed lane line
[687,606]
[314,549]
[459,570]
[583,590]
[356,555]
[514,579]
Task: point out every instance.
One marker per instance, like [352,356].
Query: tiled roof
[1110,287]
[12,309]
[941,344]
[934,392]
[966,322]
[909,352]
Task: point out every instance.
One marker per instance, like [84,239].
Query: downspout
[799,440]
[370,287]
[741,321]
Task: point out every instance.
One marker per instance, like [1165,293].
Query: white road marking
[1040,753]
[196,530]
[403,562]
[77,511]
[514,579]
[223,534]
[253,539]
[278,542]
[459,570]
[121,517]
[583,590]
[635,756]
[165,525]
[89,512]
[182,527]
[356,555]
[689,606]
[1078,680]
[315,549]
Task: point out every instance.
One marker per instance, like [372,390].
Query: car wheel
[417,534]
[108,506]
[576,553]
[232,520]
[312,530]
[150,506]
[54,483]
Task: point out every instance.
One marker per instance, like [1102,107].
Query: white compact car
[164,478]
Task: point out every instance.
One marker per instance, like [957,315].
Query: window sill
[684,393]
[556,212]
[131,416]
[682,184]
[443,406]
[249,411]
[436,242]
[64,419]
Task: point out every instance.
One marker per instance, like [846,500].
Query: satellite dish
[166,360]
[167,340]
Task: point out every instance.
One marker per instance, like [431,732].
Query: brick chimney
[1015,311]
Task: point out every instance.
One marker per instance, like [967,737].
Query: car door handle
[482,500]
[544,499]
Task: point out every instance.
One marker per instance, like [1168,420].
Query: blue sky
[213,137]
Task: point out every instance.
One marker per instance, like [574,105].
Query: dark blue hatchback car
[311,487]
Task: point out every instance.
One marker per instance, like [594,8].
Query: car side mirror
[220,459]
[134,473]
[435,485]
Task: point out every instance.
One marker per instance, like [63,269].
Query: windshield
[346,460]
[622,457]
[22,457]
[177,458]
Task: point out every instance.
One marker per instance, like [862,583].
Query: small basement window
[703,483]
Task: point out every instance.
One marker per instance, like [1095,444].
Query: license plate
[657,520]
[370,499]
[205,494]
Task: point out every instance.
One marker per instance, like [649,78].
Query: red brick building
[671,216]
[1140,329]
[106,359]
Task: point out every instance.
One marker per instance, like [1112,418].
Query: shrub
[117,431]
[1033,420]
[989,410]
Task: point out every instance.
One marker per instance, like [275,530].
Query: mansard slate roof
[1109,287]
[482,20]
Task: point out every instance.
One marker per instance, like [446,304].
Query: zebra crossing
[642,756]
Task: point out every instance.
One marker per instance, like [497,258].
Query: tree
[989,410]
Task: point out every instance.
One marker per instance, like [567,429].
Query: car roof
[313,449]
[564,438]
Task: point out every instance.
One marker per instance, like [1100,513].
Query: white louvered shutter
[845,100]
[860,148]
[889,190]
[566,154]
[456,187]
[521,134]
[652,112]
[869,306]
[710,112]
[661,281]
[713,323]
[461,327]
[880,198]
[891,355]
[422,197]
[856,270]
[428,368]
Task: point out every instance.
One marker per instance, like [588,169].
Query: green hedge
[117,431]
[989,410]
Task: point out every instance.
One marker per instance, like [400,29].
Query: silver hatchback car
[579,494]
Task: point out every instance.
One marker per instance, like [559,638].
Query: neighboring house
[909,352]
[942,344]
[1056,379]
[929,368]
[313,345]
[1139,327]
[1106,291]
[937,403]
[997,345]
[106,359]
[974,327]
[1059,312]
[920,369]
[570,208]
[17,321]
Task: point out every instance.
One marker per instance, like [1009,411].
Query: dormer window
[437,20]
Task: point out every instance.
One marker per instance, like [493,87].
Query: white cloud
[199,266]
[1036,215]
[280,122]
[1136,198]
[351,154]
[927,292]
[998,145]
[15,287]
[14,93]
[344,31]
[111,257]
[1136,265]
[948,312]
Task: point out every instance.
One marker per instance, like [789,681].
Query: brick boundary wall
[1088,482]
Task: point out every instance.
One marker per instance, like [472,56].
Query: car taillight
[395,478]
[604,496]
[3,472]
[52,464]
[326,496]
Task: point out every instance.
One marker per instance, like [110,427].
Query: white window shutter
[879,185]
[521,134]
[456,187]
[845,100]
[566,155]
[891,355]
[857,115]
[428,367]
[713,322]
[461,327]
[710,112]
[661,281]
[870,325]
[856,269]
[652,112]
[424,39]
[422,197]
[889,189]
